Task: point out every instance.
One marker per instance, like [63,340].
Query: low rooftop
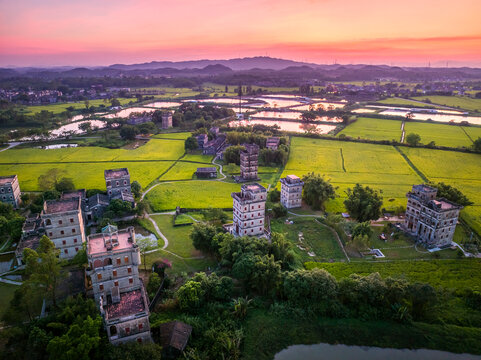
[73,194]
[444,204]
[131,302]
[206,169]
[254,188]
[175,334]
[111,240]
[7,179]
[60,206]
[291,179]
[424,188]
[116,173]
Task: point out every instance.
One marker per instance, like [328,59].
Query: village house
[118,185]
[249,210]
[213,146]
[113,273]
[249,160]
[166,120]
[95,207]
[272,143]
[291,191]
[10,190]
[32,231]
[206,172]
[201,140]
[64,225]
[432,221]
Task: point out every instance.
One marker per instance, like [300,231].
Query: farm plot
[59,108]
[176,136]
[374,129]
[405,102]
[444,135]
[196,194]
[85,175]
[462,102]
[381,167]
[473,132]
[182,171]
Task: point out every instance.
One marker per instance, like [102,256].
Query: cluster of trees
[317,191]
[190,115]
[10,225]
[54,180]
[129,132]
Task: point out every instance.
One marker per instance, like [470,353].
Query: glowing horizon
[97,33]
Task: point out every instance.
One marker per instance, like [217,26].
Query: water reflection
[338,352]
[291,126]
[435,117]
[163,104]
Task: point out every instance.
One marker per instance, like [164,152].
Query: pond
[291,126]
[290,115]
[74,127]
[325,105]
[275,103]
[126,112]
[435,117]
[341,352]
[163,104]
[221,101]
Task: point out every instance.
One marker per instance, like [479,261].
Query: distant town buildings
[249,160]
[291,191]
[10,190]
[118,185]
[249,210]
[64,225]
[113,261]
[166,120]
[206,172]
[432,221]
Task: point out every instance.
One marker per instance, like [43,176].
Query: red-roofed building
[113,274]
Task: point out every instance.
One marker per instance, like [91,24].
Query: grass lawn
[181,265]
[196,194]
[461,102]
[444,135]
[178,236]
[452,274]
[374,129]
[6,295]
[59,108]
[317,239]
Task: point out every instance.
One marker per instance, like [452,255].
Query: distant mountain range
[260,68]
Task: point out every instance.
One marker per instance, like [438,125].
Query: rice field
[443,135]
[345,163]
[462,102]
[196,194]
[406,102]
[59,108]
[86,165]
[374,129]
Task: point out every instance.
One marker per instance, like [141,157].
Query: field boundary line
[410,163]
[342,160]
[469,137]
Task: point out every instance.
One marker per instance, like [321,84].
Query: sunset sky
[103,32]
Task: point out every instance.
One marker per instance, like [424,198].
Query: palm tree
[241,305]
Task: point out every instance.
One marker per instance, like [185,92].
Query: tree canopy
[363,203]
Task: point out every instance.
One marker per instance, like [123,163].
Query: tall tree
[363,203]
[317,191]
[43,267]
